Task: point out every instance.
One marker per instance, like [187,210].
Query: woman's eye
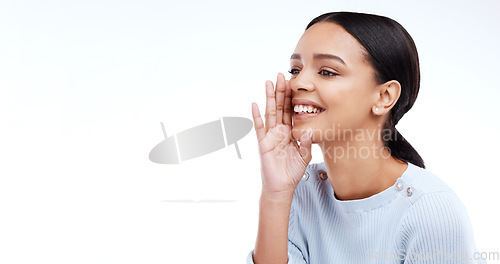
[328,73]
[294,71]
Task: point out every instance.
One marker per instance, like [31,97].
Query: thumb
[305,145]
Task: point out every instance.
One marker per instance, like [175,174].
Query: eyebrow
[320,56]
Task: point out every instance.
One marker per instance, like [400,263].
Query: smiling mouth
[307,110]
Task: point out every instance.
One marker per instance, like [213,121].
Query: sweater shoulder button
[399,186]
[409,191]
[305,176]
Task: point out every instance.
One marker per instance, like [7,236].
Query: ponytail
[399,147]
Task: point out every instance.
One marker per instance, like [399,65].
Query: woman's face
[328,68]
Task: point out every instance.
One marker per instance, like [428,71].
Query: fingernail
[310,133]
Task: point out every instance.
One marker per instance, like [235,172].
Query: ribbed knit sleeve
[295,256]
[437,229]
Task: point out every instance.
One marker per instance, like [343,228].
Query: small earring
[376,109]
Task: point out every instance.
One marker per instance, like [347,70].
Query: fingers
[287,110]
[278,103]
[257,122]
[280,97]
[270,106]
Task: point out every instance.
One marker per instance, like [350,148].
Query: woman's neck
[360,169]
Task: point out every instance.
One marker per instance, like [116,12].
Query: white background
[84,86]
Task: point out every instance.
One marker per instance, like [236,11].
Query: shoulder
[430,198]
[437,228]
[436,211]
[419,182]
[435,218]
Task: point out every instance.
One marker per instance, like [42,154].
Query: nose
[302,82]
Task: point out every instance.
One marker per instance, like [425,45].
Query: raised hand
[283,160]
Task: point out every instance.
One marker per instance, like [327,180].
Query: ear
[388,95]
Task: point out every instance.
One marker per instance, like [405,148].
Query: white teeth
[306,109]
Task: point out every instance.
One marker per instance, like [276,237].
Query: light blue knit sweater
[418,220]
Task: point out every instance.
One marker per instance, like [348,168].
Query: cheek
[347,107]
[339,100]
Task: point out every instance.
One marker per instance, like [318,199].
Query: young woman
[353,76]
